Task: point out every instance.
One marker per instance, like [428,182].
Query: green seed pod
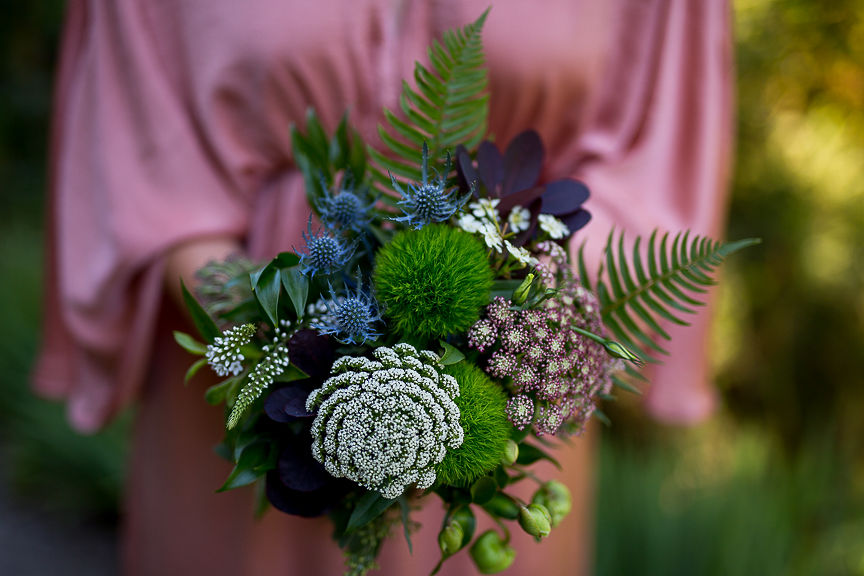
[521,293]
[503,506]
[535,520]
[450,539]
[511,453]
[466,520]
[556,498]
[491,554]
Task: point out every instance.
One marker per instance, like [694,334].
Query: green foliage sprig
[448,107]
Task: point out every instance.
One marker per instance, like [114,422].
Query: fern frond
[449,106]
[642,289]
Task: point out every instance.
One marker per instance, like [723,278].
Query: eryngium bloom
[351,319]
[429,201]
[325,253]
[386,423]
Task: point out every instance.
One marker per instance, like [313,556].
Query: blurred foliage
[717,501]
[39,454]
[791,348]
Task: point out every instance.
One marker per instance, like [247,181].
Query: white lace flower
[519,219]
[386,423]
[520,253]
[553,226]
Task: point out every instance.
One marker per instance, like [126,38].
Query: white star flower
[553,226]
[519,219]
[492,237]
[485,209]
[520,253]
[469,224]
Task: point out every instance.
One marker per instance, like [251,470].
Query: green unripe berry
[491,554]
[450,539]
[555,497]
[535,520]
[502,506]
[466,520]
[511,453]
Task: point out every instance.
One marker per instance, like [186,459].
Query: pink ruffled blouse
[172,122]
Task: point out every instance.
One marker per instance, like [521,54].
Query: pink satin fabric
[172,122]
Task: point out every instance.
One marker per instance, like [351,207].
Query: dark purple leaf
[313,354]
[287,404]
[490,166]
[298,470]
[576,220]
[564,197]
[522,162]
[297,503]
[465,171]
[522,198]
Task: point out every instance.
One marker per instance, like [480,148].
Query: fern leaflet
[448,107]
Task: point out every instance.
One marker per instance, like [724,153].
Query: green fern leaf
[642,289]
[448,107]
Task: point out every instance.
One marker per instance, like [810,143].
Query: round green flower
[482,408]
[432,282]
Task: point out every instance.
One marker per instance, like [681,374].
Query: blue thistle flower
[346,210]
[428,202]
[325,253]
[351,318]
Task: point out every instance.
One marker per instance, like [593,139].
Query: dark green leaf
[451,355]
[483,490]
[189,344]
[266,288]
[254,461]
[205,325]
[297,287]
[368,508]
[190,373]
[406,521]
[286,260]
[217,393]
[291,374]
[528,454]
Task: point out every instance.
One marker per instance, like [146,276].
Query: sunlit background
[774,484]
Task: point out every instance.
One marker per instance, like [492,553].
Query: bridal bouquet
[431,336]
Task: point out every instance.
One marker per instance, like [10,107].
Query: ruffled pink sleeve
[131,178]
[656,153]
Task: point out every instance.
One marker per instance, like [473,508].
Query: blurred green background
[774,484]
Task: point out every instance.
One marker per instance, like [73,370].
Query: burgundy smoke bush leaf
[564,197]
[287,404]
[298,470]
[490,166]
[522,163]
[313,354]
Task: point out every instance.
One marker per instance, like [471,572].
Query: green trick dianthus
[432,282]
[482,405]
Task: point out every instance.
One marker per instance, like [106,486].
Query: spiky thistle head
[429,201]
[349,209]
[325,253]
[351,319]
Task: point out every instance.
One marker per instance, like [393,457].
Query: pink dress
[172,122]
